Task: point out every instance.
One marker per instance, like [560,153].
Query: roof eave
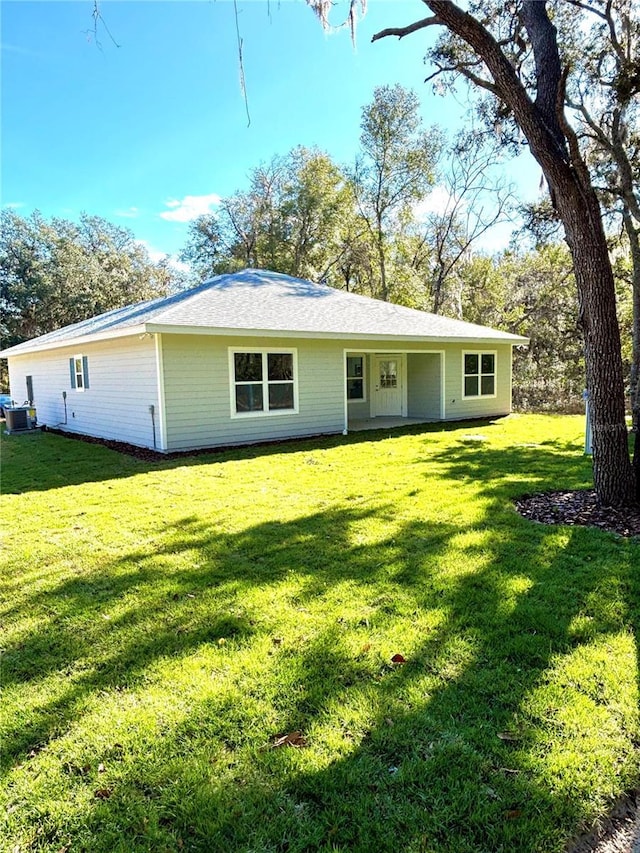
[80,340]
[228,331]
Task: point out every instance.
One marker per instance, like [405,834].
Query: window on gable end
[79,372]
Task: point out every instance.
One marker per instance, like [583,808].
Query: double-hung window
[79,372]
[355,377]
[263,382]
[479,378]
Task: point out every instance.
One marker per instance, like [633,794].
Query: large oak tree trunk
[613,474]
[554,146]
[634,242]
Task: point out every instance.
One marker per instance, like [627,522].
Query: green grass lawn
[166,623]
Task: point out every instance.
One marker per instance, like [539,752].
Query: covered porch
[392,388]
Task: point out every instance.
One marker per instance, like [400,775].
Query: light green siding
[423,400]
[198,392]
[423,385]
[198,388]
[457,408]
[195,388]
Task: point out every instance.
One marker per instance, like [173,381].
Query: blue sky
[152,131]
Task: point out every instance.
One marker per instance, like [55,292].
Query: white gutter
[233,331]
[25,349]
[237,331]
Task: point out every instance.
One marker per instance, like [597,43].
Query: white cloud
[190,207]
[497,238]
[438,201]
[156,255]
[129,213]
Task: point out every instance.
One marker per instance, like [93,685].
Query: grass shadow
[67,460]
[494,734]
[452,759]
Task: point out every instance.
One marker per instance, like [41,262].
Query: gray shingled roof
[254,301]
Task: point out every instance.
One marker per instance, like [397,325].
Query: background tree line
[405,222]
[56,272]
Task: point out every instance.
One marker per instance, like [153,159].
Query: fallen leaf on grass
[398,659]
[512,814]
[509,736]
[292,739]
[102,793]
[75,769]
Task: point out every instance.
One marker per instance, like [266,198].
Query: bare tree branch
[613,35]
[463,68]
[243,87]
[588,8]
[479,81]
[401,32]
[98,19]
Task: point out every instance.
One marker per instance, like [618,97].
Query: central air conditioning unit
[20,419]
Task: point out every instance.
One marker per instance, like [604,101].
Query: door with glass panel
[387,385]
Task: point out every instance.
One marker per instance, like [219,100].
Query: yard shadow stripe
[421,754]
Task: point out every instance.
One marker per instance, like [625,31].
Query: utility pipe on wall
[152,410]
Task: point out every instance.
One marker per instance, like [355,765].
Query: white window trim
[363,356]
[79,358]
[266,413]
[480,353]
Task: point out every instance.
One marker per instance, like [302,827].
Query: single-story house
[257,356]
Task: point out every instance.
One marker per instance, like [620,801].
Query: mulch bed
[618,832]
[145,454]
[579,507]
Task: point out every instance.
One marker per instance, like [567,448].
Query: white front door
[387,381]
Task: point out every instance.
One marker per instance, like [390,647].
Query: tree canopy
[513,53]
[56,272]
